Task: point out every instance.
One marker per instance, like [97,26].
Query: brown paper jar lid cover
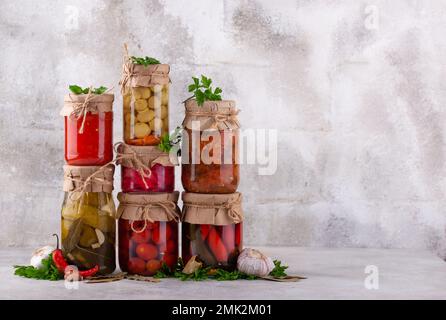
[214,209]
[143,157]
[74,104]
[135,75]
[149,207]
[221,115]
[88,178]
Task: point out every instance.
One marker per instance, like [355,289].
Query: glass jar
[161,179]
[88,230]
[145,169]
[89,140]
[146,114]
[144,246]
[216,246]
[210,147]
[202,177]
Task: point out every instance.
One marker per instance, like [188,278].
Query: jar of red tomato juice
[88,129]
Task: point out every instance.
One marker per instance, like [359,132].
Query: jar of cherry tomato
[210,147]
[88,129]
[148,232]
[212,228]
[88,222]
[146,169]
[145,91]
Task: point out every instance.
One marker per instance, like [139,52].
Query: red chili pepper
[58,258]
[61,263]
[90,272]
[205,228]
[228,235]
[216,245]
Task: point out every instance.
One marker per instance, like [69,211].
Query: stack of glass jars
[88,210]
[147,229]
[212,213]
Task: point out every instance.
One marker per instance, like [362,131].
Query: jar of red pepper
[148,232]
[146,169]
[210,147]
[88,128]
[212,228]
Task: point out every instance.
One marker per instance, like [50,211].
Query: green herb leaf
[203,91]
[279,269]
[144,61]
[47,272]
[167,142]
[76,89]
[79,90]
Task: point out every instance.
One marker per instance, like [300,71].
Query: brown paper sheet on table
[221,115]
[149,207]
[214,209]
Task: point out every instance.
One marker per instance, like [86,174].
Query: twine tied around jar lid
[90,103]
[219,115]
[148,208]
[214,209]
[79,180]
[134,75]
[130,157]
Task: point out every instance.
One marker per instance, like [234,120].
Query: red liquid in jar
[161,180]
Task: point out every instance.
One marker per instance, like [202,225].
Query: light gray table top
[332,274]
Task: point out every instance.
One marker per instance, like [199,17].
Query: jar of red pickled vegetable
[212,228]
[146,169]
[88,129]
[145,90]
[88,217]
[148,232]
[210,147]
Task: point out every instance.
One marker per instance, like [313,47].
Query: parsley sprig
[79,90]
[209,273]
[48,271]
[203,90]
[145,61]
[167,142]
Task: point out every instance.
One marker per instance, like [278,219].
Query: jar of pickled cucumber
[88,129]
[212,228]
[145,91]
[148,232]
[88,217]
[210,147]
[146,169]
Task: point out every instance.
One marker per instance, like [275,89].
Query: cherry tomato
[141,237]
[146,251]
[171,246]
[136,265]
[170,260]
[152,266]
[158,237]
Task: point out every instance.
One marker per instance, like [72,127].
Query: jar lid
[149,207]
[77,104]
[143,157]
[221,115]
[88,178]
[214,209]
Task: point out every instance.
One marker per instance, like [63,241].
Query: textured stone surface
[358,103]
[331,274]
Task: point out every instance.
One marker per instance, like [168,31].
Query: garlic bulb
[39,255]
[253,262]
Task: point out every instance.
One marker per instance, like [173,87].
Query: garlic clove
[253,262]
[40,254]
[101,239]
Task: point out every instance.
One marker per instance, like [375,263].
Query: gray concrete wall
[356,90]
